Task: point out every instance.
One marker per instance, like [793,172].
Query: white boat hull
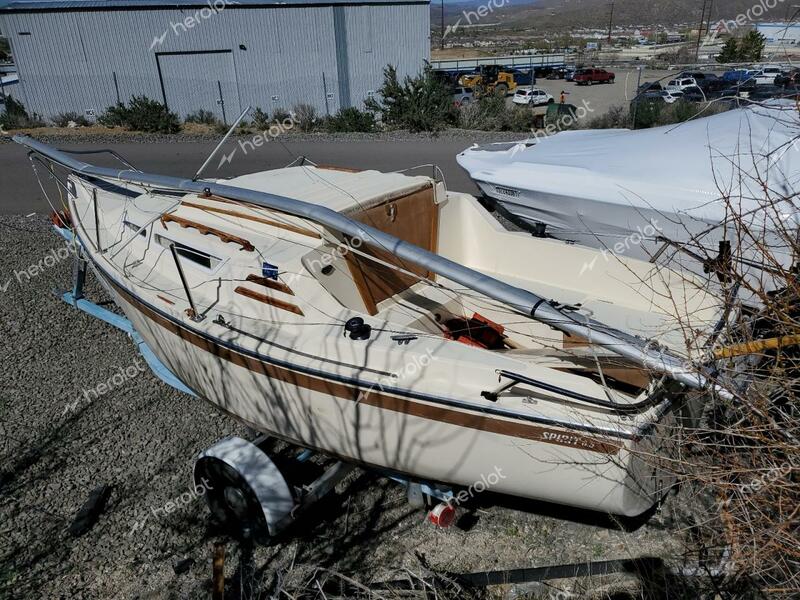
[420,439]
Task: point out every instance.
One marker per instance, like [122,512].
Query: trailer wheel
[243,488]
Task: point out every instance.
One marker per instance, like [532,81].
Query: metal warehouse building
[85,55]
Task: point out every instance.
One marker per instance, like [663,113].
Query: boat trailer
[243,486]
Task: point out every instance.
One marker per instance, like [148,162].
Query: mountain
[566,14]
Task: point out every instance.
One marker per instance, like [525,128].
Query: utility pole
[610,21]
[441,47]
[638,93]
[700,31]
[708,18]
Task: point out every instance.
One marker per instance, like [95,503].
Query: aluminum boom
[522,301]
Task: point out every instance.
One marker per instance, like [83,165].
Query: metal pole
[195,316]
[700,31]
[96,221]
[325,91]
[222,141]
[116,86]
[636,99]
[708,17]
[222,102]
[610,22]
[441,45]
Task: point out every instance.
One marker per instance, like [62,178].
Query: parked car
[699,76]
[671,96]
[695,94]
[650,86]
[558,73]
[741,90]
[767,92]
[590,76]
[736,75]
[680,84]
[532,97]
[657,97]
[463,95]
[523,76]
[790,78]
[711,86]
[766,75]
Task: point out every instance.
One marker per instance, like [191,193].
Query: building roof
[73,5]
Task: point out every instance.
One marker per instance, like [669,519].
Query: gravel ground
[141,437]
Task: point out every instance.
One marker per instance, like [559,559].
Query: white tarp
[687,168]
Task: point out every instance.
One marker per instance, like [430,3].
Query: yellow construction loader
[489,79]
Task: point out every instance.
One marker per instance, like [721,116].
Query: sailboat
[383,320]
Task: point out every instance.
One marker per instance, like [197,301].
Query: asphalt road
[20,193]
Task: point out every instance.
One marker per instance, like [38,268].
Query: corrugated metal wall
[266,57]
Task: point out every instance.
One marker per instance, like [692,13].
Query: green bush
[202,117]
[141,114]
[647,115]
[280,115]
[421,103]
[491,113]
[261,119]
[351,119]
[305,117]
[520,119]
[16,117]
[63,119]
[114,116]
[654,114]
[616,118]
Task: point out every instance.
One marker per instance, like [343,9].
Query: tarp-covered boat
[696,183]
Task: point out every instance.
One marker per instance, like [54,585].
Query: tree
[751,48]
[421,103]
[730,52]
[748,49]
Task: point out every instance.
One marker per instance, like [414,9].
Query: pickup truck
[590,76]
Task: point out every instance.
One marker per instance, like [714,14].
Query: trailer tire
[243,488]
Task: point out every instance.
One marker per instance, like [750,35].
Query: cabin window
[194,256]
[134,227]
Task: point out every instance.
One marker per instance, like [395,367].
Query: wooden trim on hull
[287,306]
[241,215]
[527,431]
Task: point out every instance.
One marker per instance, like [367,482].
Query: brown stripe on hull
[377,399]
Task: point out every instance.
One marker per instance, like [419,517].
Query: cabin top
[341,190]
